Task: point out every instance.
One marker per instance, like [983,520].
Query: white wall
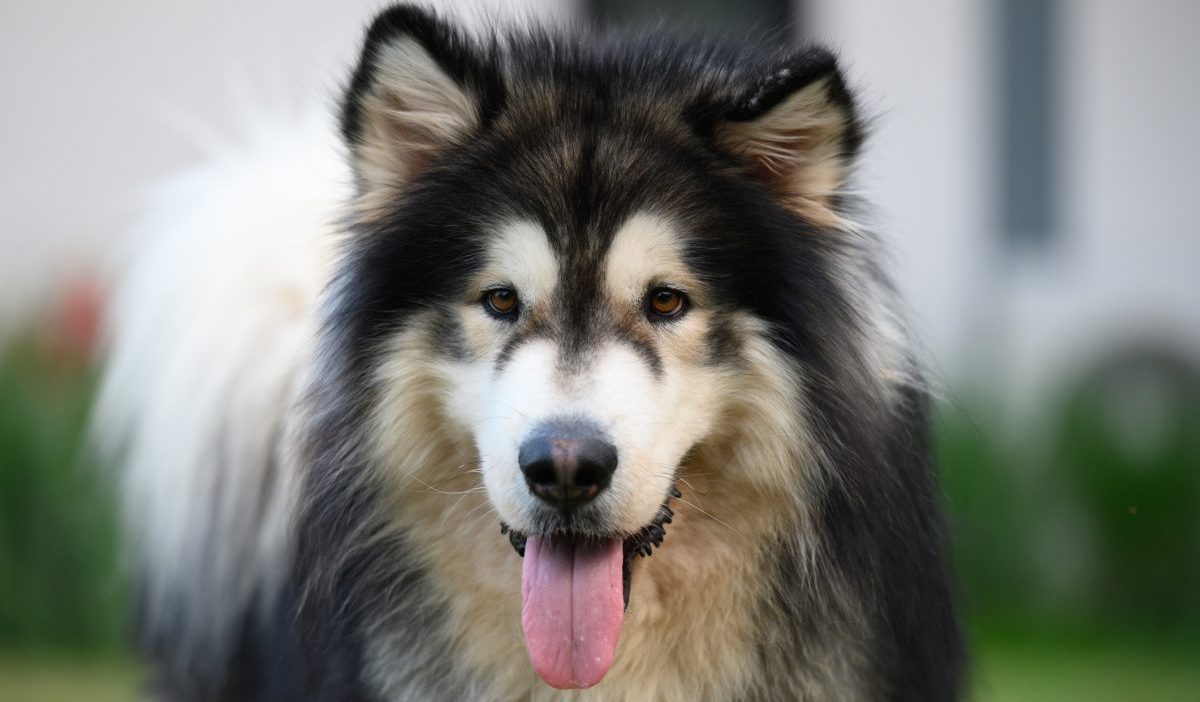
[917,68]
[102,99]
[1128,264]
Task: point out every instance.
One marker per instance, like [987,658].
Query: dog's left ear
[420,88]
[797,130]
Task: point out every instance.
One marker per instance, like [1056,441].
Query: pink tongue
[572,608]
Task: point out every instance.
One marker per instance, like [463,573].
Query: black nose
[567,464]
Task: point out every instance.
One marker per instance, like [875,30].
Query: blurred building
[1032,161]
[1034,166]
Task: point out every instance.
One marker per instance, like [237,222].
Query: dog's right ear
[420,88]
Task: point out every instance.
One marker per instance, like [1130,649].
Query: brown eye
[501,302]
[665,303]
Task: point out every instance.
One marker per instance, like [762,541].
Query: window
[720,15]
[1026,110]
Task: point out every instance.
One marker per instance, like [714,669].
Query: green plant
[59,587]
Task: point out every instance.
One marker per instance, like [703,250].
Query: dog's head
[584,262]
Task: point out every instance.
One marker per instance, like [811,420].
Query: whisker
[451,509]
[701,511]
[412,475]
[434,489]
[486,504]
[690,487]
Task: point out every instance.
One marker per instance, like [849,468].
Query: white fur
[208,336]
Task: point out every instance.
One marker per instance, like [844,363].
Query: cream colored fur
[797,146]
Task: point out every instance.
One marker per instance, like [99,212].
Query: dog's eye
[501,302]
[665,303]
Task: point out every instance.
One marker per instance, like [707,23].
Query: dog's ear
[797,130]
[420,87]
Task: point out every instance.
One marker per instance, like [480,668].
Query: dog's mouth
[574,592]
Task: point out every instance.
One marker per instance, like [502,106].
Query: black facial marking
[644,348]
[531,330]
[723,341]
[448,336]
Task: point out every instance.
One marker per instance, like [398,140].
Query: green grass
[65,680]
[1014,670]
[1047,671]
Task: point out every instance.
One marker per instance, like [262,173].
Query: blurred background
[1033,165]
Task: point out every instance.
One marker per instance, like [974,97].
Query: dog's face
[582,276]
[598,361]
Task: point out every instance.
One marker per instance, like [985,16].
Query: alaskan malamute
[581,376]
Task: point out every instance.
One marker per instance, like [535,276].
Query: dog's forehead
[596,216]
[582,173]
[645,248]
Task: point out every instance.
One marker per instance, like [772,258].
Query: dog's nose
[567,464]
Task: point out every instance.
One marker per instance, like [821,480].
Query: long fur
[208,338]
[310,483]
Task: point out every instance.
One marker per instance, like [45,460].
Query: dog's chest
[688,632]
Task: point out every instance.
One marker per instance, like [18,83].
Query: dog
[563,365]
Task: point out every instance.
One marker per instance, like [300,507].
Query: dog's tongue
[572,608]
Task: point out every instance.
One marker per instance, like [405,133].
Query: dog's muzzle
[575,583]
